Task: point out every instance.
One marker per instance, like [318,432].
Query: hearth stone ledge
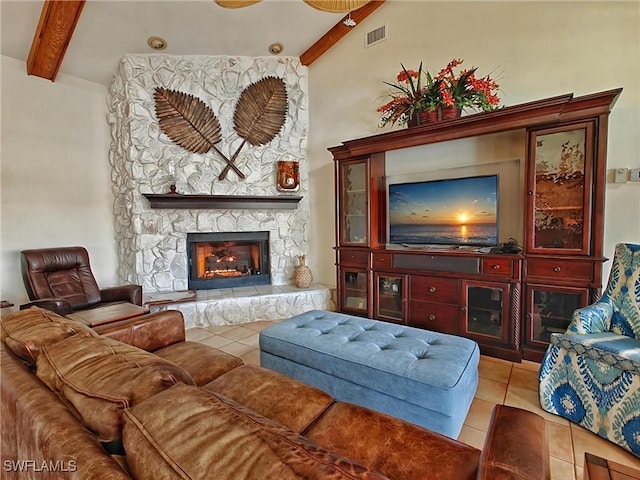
[235,306]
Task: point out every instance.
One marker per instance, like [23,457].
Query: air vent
[375,36]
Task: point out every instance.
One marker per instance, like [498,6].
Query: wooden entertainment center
[508,303]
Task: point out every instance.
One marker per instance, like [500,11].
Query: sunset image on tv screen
[460,211]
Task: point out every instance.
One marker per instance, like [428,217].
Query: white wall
[535,49]
[56,188]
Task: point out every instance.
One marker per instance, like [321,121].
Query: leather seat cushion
[26,331]
[371,438]
[100,377]
[202,362]
[273,395]
[162,434]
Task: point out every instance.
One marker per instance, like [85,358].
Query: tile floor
[502,382]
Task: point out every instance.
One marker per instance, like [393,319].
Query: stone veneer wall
[152,242]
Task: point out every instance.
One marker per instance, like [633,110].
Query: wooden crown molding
[338,31]
[57,22]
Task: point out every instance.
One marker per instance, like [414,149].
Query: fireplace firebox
[228,259]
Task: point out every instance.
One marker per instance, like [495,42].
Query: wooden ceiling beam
[338,31]
[57,22]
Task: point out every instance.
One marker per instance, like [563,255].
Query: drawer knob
[432,317]
[381,260]
[496,267]
[556,269]
[353,257]
[432,289]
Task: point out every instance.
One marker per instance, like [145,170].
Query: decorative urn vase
[302,276]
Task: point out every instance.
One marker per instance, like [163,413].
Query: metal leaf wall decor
[186,120]
[260,114]
[261,111]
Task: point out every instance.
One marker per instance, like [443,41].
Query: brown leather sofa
[61,280]
[97,405]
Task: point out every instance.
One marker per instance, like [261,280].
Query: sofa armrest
[516,446]
[149,332]
[594,318]
[122,293]
[57,305]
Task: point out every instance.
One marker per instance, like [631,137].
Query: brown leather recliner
[61,280]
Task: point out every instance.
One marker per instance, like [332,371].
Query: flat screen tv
[453,211]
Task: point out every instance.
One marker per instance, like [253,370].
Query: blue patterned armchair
[591,373]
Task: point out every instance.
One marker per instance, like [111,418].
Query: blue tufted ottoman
[424,377]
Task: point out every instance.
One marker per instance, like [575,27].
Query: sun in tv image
[457,211]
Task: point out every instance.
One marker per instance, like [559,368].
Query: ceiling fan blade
[235,3]
[336,6]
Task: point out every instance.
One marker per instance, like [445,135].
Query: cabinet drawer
[496,266]
[382,260]
[356,259]
[434,289]
[433,316]
[560,269]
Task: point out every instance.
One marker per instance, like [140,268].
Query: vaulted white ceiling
[107,30]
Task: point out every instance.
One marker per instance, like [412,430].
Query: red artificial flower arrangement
[419,91]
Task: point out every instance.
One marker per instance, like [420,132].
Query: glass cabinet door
[550,309]
[354,288]
[390,297]
[354,203]
[485,308]
[560,189]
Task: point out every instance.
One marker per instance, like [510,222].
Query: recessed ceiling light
[275,48]
[157,43]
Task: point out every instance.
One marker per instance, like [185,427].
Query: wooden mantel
[180,201]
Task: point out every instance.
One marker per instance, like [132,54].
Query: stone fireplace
[152,243]
[228,259]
